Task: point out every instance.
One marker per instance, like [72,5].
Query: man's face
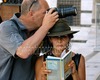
[39,14]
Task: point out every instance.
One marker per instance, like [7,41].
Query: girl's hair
[70,36]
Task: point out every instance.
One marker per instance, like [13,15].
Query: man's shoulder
[5,22]
[7,25]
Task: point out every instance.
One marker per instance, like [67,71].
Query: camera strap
[21,32]
[15,23]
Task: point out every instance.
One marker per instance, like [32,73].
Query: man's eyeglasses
[34,1]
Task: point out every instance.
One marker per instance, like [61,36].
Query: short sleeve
[10,38]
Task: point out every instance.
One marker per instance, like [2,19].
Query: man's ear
[30,13]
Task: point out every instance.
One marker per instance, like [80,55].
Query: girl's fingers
[45,71]
[71,64]
[44,64]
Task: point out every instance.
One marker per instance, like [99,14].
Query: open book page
[67,59]
[61,57]
[52,57]
[55,67]
[59,66]
[63,53]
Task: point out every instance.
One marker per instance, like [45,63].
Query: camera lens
[65,12]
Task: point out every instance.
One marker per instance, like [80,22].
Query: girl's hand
[44,71]
[73,67]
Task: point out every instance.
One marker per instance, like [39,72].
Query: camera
[66,11]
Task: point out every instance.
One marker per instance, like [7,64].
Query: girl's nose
[59,39]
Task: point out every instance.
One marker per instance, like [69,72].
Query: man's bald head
[28,5]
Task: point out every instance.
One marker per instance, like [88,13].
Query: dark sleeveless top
[76,59]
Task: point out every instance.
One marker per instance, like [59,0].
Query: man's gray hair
[28,5]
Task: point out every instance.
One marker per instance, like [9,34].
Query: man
[18,45]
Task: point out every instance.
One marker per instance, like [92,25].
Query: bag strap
[20,31]
[15,23]
[76,59]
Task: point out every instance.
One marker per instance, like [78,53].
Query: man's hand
[50,18]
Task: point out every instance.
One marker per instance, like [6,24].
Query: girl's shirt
[75,58]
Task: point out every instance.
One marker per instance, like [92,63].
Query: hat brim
[62,33]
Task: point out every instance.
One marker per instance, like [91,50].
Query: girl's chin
[60,49]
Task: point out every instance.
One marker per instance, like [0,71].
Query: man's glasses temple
[34,1]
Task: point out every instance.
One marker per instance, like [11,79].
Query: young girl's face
[60,43]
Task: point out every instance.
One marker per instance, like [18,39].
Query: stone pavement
[84,43]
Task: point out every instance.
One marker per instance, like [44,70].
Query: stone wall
[75,20]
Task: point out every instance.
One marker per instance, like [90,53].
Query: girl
[60,36]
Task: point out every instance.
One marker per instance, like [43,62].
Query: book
[59,66]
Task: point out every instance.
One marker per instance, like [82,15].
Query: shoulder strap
[20,32]
[76,58]
[0,19]
[16,23]
[48,53]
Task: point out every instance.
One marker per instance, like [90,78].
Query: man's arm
[29,46]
